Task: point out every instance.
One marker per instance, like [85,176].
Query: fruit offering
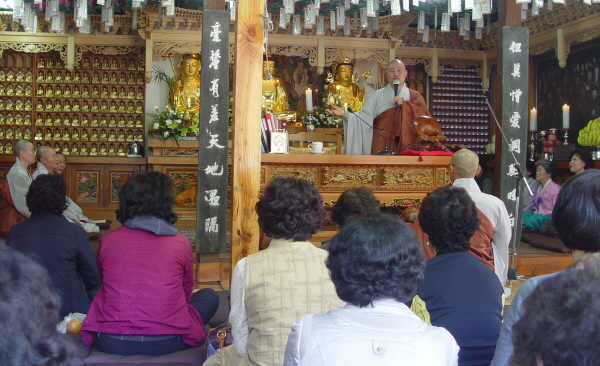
[590,134]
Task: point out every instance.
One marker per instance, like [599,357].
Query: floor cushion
[545,242]
[190,356]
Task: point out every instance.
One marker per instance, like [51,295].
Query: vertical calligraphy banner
[515,70]
[211,202]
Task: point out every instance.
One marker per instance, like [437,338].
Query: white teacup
[316,147]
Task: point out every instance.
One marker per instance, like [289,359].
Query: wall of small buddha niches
[97,109]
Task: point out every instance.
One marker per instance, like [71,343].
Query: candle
[309,105]
[566,116]
[533,120]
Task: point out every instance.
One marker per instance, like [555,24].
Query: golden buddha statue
[122,92]
[49,91]
[18,119]
[8,149]
[57,147]
[20,76]
[121,150]
[19,91]
[94,135]
[103,121]
[85,121]
[2,119]
[104,106]
[94,150]
[67,92]
[50,63]
[104,93]
[121,122]
[27,134]
[121,136]
[58,122]
[29,76]
[129,137]
[131,94]
[96,78]
[48,135]
[84,135]
[84,150]
[186,94]
[96,64]
[1,133]
[344,92]
[48,121]
[40,77]
[67,77]
[75,135]
[57,135]
[66,134]
[27,120]
[10,75]
[130,122]
[112,136]
[19,105]
[27,105]
[130,107]
[86,63]
[274,95]
[122,107]
[102,149]
[66,107]
[1,148]
[123,64]
[58,77]
[86,106]
[41,64]
[74,150]
[95,92]
[111,149]
[113,107]
[49,77]
[9,133]
[85,94]
[10,90]
[112,122]
[140,108]
[76,107]
[113,64]
[9,119]
[140,93]
[18,133]
[113,78]
[94,121]
[95,106]
[85,78]
[105,64]
[28,91]
[131,64]
[9,105]
[105,78]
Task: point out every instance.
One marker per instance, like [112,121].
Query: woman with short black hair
[145,305]
[376,264]
[545,196]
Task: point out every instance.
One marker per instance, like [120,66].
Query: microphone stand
[382,152]
[512,272]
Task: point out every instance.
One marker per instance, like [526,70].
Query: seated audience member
[576,218]
[561,321]
[13,189]
[47,161]
[376,265]
[354,202]
[73,212]
[545,195]
[528,198]
[272,289]
[145,305]
[581,160]
[29,314]
[61,247]
[458,293]
[485,183]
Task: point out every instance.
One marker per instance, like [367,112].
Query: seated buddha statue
[343,92]
[94,136]
[8,148]
[84,150]
[274,95]
[94,149]
[38,135]
[75,135]
[186,93]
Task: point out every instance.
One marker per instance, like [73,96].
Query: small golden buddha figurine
[8,148]
[94,136]
[122,78]
[2,90]
[50,63]
[57,147]
[113,64]
[94,150]
[94,121]
[130,107]
[86,106]
[103,106]
[10,75]
[19,91]
[27,105]
[122,92]
[103,121]
[67,77]
[10,90]
[129,137]
[77,77]
[131,78]
[49,106]
[48,121]
[123,64]
[9,119]
[49,91]
[41,77]
[19,134]
[66,135]
[18,119]
[121,122]
[27,120]
[59,63]
[105,65]
[66,121]
[75,121]
[344,92]
[113,92]
[85,78]
[104,78]
[121,107]
[65,149]
[95,92]
[84,150]
[84,94]
[57,135]
[1,133]
[95,106]
[48,135]
[131,64]
[66,107]
[29,76]
[1,148]
[84,135]
[139,136]
[2,104]
[49,77]
[85,121]
[139,122]
[96,78]
[96,63]
[28,91]
[2,121]
[121,150]
[27,134]
[104,93]
[112,136]
[130,122]
[19,105]
[67,92]
[140,79]
[9,133]
[41,64]
[75,135]
[76,106]
[111,149]
[131,94]
[58,91]
[102,149]
[112,122]
[140,93]
[121,136]
[113,78]
[3,75]
[19,76]
[139,108]
[58,78]
[113,106]
[86,63]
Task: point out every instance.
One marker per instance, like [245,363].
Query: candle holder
[310,127]
[532,146]
[566,135]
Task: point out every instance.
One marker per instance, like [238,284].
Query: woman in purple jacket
[145,305]
[545,195]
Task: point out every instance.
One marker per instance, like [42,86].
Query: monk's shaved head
[465,163]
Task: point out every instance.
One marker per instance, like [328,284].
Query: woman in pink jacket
[145,305]
[545,195]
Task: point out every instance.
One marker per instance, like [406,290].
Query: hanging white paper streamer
[550,4]
[340,16]
[467,36]
[535,9]
[347,4]
[559,1]
[421,22]
[332,20]
[406,5]
[395,7]
[110,18]
[54,8]
[376,23]
[522,1]
[307,24]
[86,26]
[486,7]
[282,18]
[588,2]
[355,21]
[363,17]
[296,26]
[233,11]
[324,1]
[426,35]
[445,26]
[461,26]
[347,31]
[47,15]
[137,4]
[467,22]
[55,23]
[354,2]
[320,25]
[476,13]
[309,17]
[455,6]
[288,5]
[317,6]
[435,17]
[370,26]
[524,10]
[479,33]
[18,10]
[370,8]
[469,4]
[479,23]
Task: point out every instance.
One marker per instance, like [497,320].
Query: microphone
[396,84]
[382,152]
